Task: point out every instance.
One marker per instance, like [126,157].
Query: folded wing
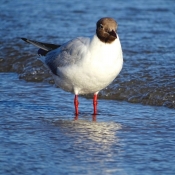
[68,54]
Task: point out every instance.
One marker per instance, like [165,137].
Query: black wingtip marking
[42,52]
[24,39]
[44,46]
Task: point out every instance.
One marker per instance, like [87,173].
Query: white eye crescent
[101,26]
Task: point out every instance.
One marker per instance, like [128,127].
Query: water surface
[146,31]
[39,133]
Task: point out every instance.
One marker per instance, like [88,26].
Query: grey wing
[69,53]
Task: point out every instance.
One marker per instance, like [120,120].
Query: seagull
[85,65]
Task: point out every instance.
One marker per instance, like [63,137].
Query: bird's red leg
[76,104]
[95,104]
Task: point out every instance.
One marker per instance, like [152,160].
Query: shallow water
[40,135]
[38,131]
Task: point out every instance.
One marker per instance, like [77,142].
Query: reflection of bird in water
[101,132]
[85,65]
[94,117]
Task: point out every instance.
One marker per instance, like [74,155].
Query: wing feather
[69,53]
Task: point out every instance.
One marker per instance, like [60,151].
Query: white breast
[99,66]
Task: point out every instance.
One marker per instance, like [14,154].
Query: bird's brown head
[106,29]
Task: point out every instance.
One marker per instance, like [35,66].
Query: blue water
[145,28]
[39,133]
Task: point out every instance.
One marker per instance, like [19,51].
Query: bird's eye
[101,26]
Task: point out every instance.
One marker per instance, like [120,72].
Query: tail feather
[44,47]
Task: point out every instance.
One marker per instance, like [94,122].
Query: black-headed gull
[85,65]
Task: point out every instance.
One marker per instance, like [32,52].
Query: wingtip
[24,39]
